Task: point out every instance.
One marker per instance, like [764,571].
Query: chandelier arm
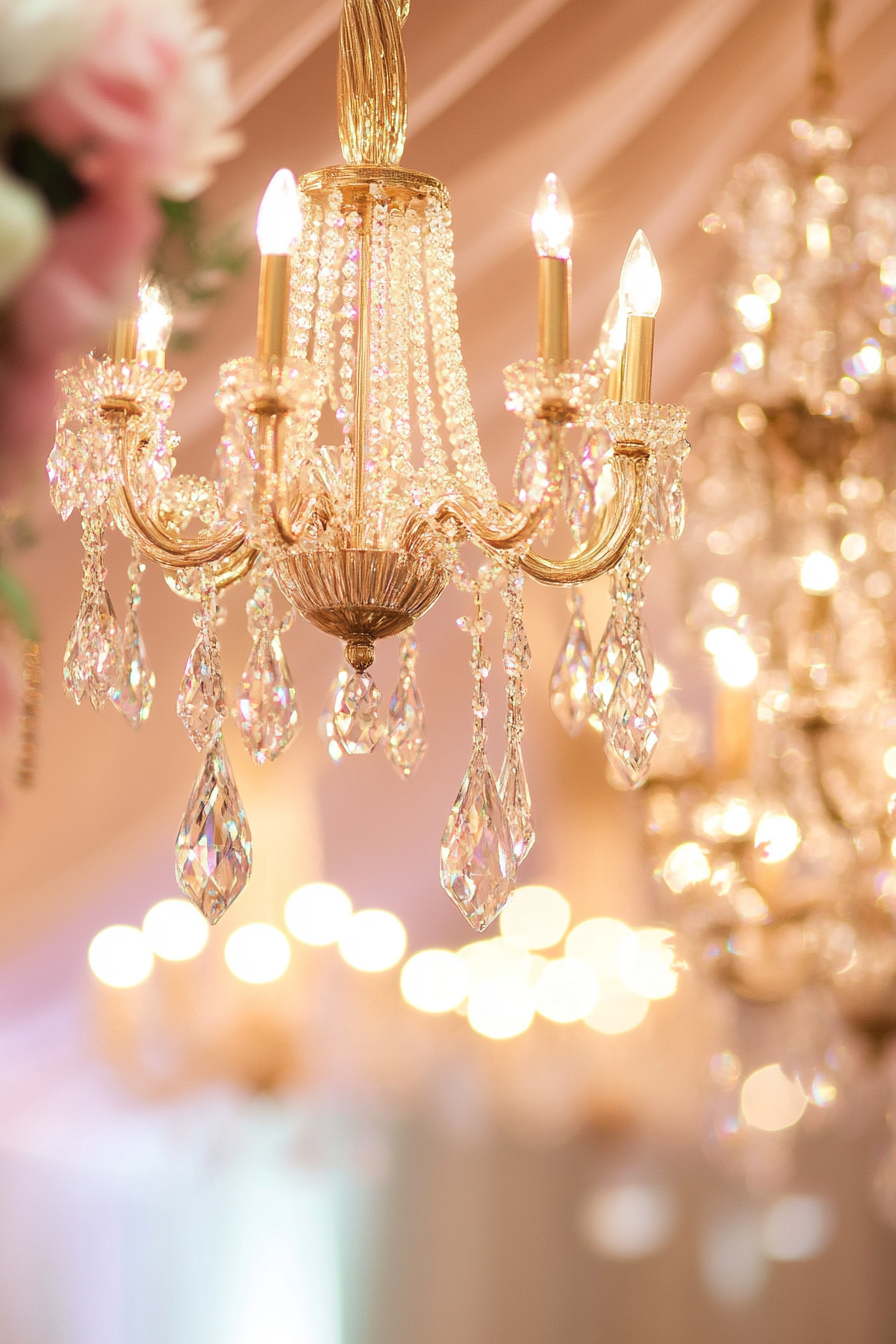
[373,93]
[630,462]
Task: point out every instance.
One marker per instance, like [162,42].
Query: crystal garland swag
[778,853]
[357,312]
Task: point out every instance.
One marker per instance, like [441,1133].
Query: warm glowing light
[724,595]
[770,1101]
[736,663]
[373,940]
[629,1222]
[640,284]
[767,287]
[120,956]
[435,981]
[777,836]
[154,319]
[661,680]
[819,573]
[869,360]
[818,240]
[752,354]
[612,333]
[853,546]
[501,1008]
[646,964]
[755,313]
[257,953]
[797,1227]
[686,866]
[317,913]
[279,218]
[618,1008]
[552,220]
[598,941]
[175,930]
[495,959]
[535,917]
[890,762]
[567,990]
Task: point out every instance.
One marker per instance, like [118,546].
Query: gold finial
[373,91]
[823,84]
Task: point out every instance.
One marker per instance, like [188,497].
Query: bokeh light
[120,956]
[618,1008]
[535,917]
[724,595]
[646,963]
[598,941]
[317,913]
[257,953]
[566,990]
[501,1008]
[686,866]
[819,573]
[629,1221]
[435,981]
[373,940]
[499,959]
[797,1227]
[777,836]
[770,1101]
[175,930]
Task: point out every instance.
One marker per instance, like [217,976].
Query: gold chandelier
[350,476]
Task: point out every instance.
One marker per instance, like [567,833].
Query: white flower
[38,37]
[24,230]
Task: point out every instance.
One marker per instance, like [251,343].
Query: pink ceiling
[641,106]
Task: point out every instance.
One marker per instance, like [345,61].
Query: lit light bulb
[279,218]
[640,284]
[612,334]
[154,319]
[819,573]
[552,220]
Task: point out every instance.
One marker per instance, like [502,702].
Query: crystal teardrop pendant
[92,663]
[326,728]
[200,701]
[132,696]
[406,726]
[571,680]
[267,708]
[355,721]
[607,666]
[213,852]
[632,721]
[513,788]
[478,868]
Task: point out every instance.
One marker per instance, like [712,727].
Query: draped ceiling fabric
[640,106]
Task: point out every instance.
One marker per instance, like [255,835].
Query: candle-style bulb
[154,318]
[640,285]
[552,220]
[612,334]
[279,219]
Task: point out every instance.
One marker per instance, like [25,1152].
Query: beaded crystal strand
[132,696]
[513,786]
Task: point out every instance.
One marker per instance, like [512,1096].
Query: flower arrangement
[106,106]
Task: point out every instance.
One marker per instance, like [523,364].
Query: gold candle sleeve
[637,362]
[123,339]
[554,276]
[273,307]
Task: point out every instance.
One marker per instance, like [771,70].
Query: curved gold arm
[630,462]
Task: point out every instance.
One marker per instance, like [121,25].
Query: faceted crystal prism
[571,680]
[357,727]
[132,696]
[607,666]
[406,727]
[513,788]
[632,722]
[267,708]
[92,663]
[326,728]
[478,867]
[200,702]
[213,852]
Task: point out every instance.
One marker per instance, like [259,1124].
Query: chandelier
[350,477]
[776,845]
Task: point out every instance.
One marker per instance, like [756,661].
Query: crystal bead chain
[201,703]
[328,288]
[303,289]
[481,665]
[435,459]
[396,364]
[513,786]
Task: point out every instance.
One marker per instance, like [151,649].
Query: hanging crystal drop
[607,666]
[571,680]
[132,694]
[73,670]
[91,664]
[200,701]
[355,720]
[406,727]
[513,788]
[477,865]
[213,853]
[326,728]
[267,707]
[632,721]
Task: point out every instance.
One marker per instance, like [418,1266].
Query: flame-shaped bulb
[552,220]
[612,334]
[279,219]
[640,285]
[154,317]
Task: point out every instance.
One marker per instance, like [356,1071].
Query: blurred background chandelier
[777,846]
[336,486]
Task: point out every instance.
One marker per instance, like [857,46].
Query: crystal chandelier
[777,845]
[350,477]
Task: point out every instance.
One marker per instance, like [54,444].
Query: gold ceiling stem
[824,86]
[630,462]
[362,371]
[373,92]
